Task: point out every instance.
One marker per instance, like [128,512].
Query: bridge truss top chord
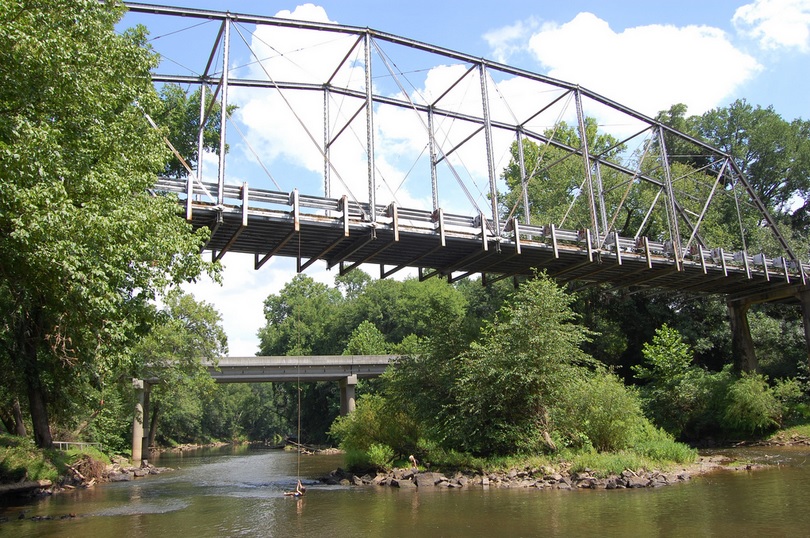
[522,171]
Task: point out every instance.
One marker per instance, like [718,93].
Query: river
[238,492]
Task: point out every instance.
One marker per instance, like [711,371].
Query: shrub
[374,421]
[380,456]
[600,409]
[751,405]
[658,445]
[789,393]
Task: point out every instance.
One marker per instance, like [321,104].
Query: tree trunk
[153,422]
[19,425]
[39,414]
[36,392]
[7,421]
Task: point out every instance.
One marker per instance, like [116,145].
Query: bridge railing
[611,245]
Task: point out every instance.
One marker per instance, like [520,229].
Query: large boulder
[428,480]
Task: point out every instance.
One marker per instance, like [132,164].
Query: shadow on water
[240,492]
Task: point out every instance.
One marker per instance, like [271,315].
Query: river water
[238,492]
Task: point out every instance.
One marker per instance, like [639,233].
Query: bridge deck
[313,228]
[307,369]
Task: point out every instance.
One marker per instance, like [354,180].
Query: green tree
[299,319]
[772,153]
[179,114]
[366,339]
[510,378]
[84,247]
[555,177]
[187,337]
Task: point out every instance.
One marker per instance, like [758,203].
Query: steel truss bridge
[641,209]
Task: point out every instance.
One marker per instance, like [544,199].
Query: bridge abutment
[742,345]
[347,391]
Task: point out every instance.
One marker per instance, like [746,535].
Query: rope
[298,375]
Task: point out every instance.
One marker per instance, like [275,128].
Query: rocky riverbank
[85,473]
[538,478]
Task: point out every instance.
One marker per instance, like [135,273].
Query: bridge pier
[138,421]
[804,299]
[140,428]
[742,345]
[347,401]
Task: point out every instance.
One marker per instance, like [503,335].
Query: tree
[84,247]
[187,337]
[555,176]
[300,318]
[180,115]
[772,153]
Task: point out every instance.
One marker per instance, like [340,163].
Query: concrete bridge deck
[306,369]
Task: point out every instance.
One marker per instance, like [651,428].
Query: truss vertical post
[200,149]
[223,111]
[524,181]
[327,180]
[600,191]
[493,190]
[670,200]
[434,178]
[583,136]
[372,187]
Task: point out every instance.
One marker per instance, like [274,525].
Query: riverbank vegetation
[598,377]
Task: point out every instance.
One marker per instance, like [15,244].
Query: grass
[801,431]
[20,459]
[661,454]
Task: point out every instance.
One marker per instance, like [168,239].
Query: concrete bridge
[345,369]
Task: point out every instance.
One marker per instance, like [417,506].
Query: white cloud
[776,23]
[646,68]
[240,298]
[508,40]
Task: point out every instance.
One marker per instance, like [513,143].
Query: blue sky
[645,55]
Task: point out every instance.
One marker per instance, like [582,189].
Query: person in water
[300,490]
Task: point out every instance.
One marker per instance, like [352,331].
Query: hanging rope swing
[300,490]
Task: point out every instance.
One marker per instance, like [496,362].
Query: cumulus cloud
[776,24]
[506,41]
[240,299]
[648,68]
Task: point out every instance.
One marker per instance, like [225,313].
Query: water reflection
[241,493]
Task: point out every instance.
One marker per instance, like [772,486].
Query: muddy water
[239,493]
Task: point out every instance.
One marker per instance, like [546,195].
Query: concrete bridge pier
[140,426]
[742,345]
[347,400]
[138,421]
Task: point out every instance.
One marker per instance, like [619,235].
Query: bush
[751,405]
[380,456]
[21,460]
[374,421]
[599,409]
[658,445]
[790,394]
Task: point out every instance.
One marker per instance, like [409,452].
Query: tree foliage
[84,247]
[187,336]
[179,115]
